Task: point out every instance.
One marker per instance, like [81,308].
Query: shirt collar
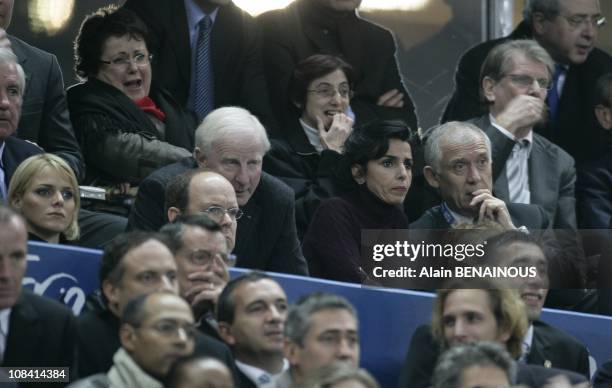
[313,136]
[528,137]
[254,373]
[5,316]
[195,14]
[453,218]
[528,340]
[1,154]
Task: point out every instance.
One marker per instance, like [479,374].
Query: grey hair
[298,319]
[452,363]
[228,122]
[459,131]
[549,8]
[497,63]
[7,57]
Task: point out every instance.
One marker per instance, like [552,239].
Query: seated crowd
[271,144]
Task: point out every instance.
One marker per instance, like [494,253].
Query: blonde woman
[46,193]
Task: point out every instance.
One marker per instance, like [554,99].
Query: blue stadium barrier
[387,317]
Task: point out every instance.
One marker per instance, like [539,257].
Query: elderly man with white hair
[232,142]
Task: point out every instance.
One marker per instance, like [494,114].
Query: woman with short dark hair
[126,127]
[377,161]
[306,152]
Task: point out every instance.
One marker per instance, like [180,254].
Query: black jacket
[266,238]
[42,332]
[119,140]
[575,129]
[304,28]
[98,340]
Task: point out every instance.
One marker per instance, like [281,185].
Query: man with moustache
[568,31]
[515,79]
[334,27]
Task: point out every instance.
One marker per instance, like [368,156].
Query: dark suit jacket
[266,238]
[44,114]
[551,174]
[15,152]
[98,340]
[561,349]
[549,343]
[236,54]
[244,381]
[594,194]
[603,378]
[575,129]
[41,333]
[531,216]
[288,39]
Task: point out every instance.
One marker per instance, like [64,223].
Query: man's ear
[173,213]
[358,173]
[487,86]
[291,350]
[127,336]
[538,23]
[604,116]
[199,156]
[225,331]
[431,177]
[111,292]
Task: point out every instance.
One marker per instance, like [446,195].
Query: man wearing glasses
[515,79]
[202,259]
[568,30]
[232,142]
[156,330]
[132,264]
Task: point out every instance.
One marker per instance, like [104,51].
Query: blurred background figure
[199,372]
[340,374]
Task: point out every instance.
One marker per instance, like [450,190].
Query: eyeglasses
[204,258]
[217,212]
[125,61]
[525,81]
[170,328]
[328,91]
[578,21]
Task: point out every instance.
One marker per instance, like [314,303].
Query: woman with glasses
[377,161]
[317,124]
[45,191]
[126,127]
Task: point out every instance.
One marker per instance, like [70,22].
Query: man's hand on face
[340,129]
[203,295]
[521,114]
[392,99]
[491,208]
[4,40]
